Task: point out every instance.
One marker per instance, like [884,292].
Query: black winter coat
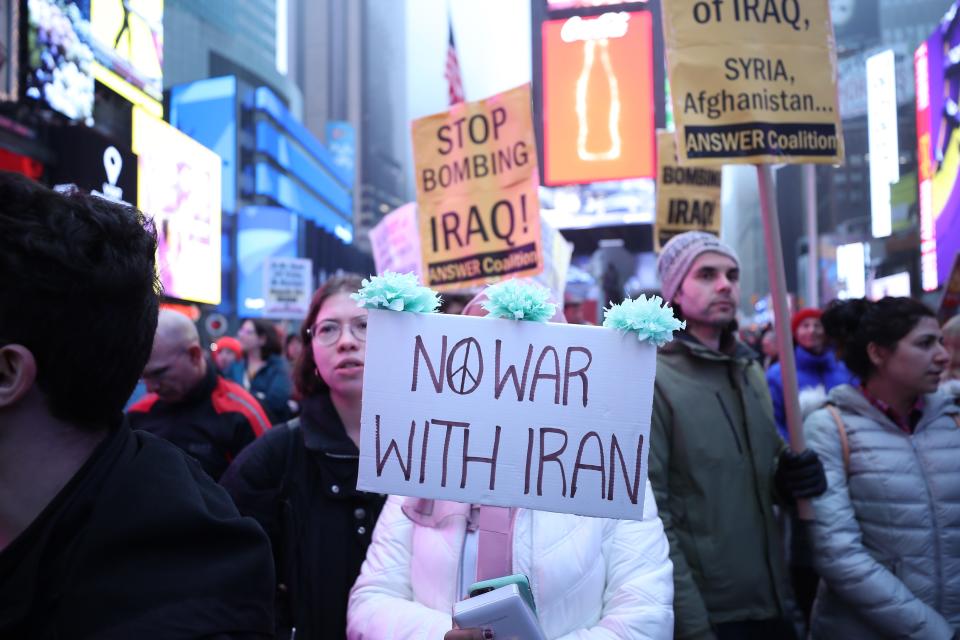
[141,543]
[299,481]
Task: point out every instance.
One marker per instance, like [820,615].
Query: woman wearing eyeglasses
[299,479]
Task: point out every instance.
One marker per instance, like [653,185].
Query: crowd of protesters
[223,503]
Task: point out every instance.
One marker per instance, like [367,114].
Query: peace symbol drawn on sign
[465,366]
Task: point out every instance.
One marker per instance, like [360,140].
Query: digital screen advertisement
[262,233]
[179,186]
[206,111]
[9,49]
[127,38]
[598,98]
[938,152]
[59,70]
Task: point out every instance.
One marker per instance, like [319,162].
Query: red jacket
[212,424]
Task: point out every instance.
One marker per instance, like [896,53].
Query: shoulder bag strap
[842,432]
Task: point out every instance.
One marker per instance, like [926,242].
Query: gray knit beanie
[678,255]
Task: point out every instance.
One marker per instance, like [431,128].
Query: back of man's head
[78,290]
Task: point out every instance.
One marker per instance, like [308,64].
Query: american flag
[452,72]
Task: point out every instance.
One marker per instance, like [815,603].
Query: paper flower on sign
[516,300]
[649,318]
[396,292]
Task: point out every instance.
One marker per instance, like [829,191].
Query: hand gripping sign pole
[778,291]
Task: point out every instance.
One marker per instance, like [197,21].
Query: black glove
[800,475]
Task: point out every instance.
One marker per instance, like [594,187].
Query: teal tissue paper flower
[396,292]
[516,300]
[649,318]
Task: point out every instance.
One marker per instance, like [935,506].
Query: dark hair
[854,324]
[305,376]
[266,329]
[78,288]
[290,338]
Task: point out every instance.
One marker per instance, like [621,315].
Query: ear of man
[18,374]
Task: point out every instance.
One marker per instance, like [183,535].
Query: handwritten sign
[479,210]
[544,416]
[688,198]
[288,287]
[753,81]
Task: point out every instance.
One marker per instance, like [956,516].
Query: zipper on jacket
[733,428]
[936,527]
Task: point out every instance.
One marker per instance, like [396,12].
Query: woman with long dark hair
[267,375]
[299,480]
[887,531]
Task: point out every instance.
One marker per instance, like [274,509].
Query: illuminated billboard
[938,152]
[127,38]
[9,49]
[178,185]
[59,70]
[599,104]
[206,111]
[557,5]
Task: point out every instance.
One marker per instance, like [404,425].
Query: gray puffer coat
[887,533]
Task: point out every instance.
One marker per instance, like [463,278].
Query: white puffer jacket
[591,578]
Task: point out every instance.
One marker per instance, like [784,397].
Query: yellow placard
[478,207]
[753,81]
[688,198]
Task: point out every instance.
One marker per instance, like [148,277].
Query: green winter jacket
[713,452]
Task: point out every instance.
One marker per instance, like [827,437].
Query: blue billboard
[206,111]
[262,232]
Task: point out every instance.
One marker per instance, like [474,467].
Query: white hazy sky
[493,45]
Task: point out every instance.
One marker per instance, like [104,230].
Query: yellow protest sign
[688,198]
[479,211]
[753,81]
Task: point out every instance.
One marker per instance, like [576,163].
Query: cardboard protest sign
[753,81]
[557,254]
[688,199]
[395,242]
[287,287]
[478,206]
[544,416]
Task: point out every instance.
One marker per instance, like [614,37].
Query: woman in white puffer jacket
[592,578]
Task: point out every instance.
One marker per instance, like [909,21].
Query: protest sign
[688,199]
[753,81]
[480,410]
[395,242]
[478,207]
[557,253]
[287,287]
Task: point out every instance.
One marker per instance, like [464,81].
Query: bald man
[189,404]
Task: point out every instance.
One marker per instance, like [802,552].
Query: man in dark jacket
[105,532]
[206,415]
[716,458]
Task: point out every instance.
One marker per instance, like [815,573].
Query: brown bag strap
[844,443]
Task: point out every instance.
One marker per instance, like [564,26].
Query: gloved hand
[800,475]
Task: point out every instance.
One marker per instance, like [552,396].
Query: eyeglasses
[328,332]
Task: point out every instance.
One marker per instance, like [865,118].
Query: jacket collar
[850,399]
[731,349]
[323,430]
[808,360]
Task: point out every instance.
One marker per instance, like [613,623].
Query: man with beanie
[716,461]
[227,353]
